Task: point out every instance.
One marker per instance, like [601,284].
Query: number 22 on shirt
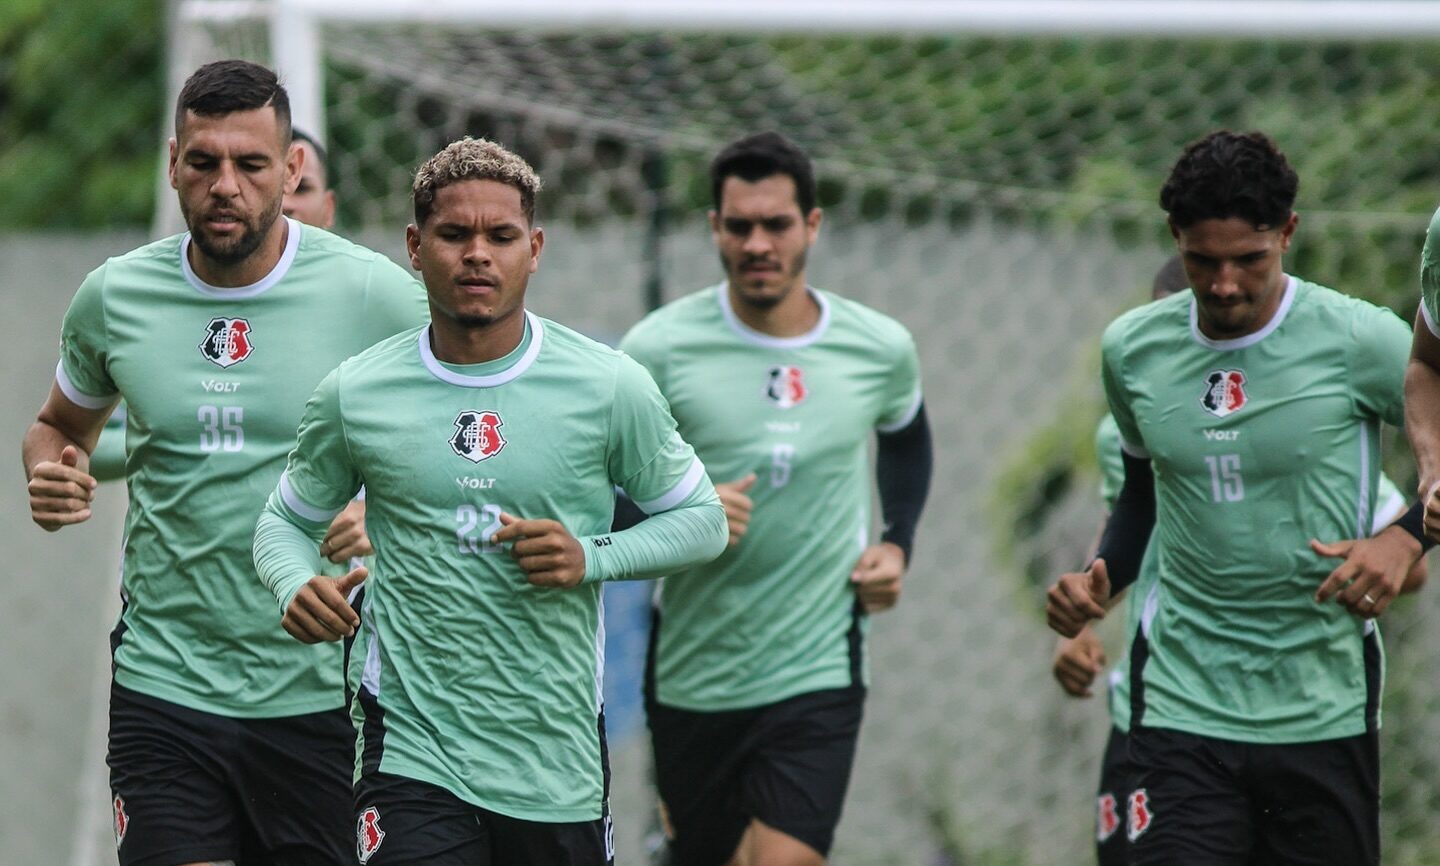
[467,519]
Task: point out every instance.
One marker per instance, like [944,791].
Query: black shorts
[786,764]
[1116,773]
[190,786]
[1203,801]
[405,822]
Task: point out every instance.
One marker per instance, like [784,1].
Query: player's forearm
[1127,532]
[44,442]
[287,552]
[692,533]
[904,462]
[1422,417]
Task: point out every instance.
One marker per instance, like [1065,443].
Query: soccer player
[757,677]
[228,740]
[1248,414]
[313,201]
[490,444]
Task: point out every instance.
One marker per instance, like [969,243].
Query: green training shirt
[776,615]
[107,461]
[1258,444]
[214,381]
[1391,504]
[481,683]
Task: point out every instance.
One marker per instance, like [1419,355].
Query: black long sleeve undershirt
[904,462]
[1127,532]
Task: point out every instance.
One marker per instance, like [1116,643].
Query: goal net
[994,189]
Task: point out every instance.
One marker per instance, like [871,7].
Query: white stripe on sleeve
[293,501]
[75,395]
[677,493]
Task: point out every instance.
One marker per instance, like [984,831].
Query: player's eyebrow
[197,152]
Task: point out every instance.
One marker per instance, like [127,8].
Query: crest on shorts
[1224,392]
[227,341]
[1107,817]
[368,834]
[122,820]
[786,386]
[477,435]
[1138,814]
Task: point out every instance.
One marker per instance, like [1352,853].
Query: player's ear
[412,245]
[812,222]
[294,162]
[714,223]
[1174,229]
[1287,231]
[174,162]
[537,242]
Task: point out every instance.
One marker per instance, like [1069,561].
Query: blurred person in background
[757,676]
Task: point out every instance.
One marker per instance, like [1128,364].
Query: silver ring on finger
[1367,599]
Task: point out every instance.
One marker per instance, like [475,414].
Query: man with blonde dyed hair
[490,443]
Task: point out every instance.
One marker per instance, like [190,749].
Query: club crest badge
[368,834]
[227,342]
[477,435]
[786,386]
[1107,817]
[1224,392]
[122,820]
[1139,814]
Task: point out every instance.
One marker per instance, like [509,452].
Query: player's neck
[457,343]
[248,271]
[796,314]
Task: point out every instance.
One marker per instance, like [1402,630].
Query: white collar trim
[750,335]
[1249,339]
[494,380]
[277,273]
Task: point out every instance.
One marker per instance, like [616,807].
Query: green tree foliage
[81,93]
[1086,129]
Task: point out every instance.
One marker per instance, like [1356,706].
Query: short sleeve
[1107,456]
[320,478]
[397,300]
[647,458]
[903,395]
[1112,374]
[83,372]
[1430,276]
[1377,362]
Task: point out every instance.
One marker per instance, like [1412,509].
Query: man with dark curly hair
[1248,413]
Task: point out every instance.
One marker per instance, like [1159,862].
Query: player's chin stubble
[243,247]
[765,301]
